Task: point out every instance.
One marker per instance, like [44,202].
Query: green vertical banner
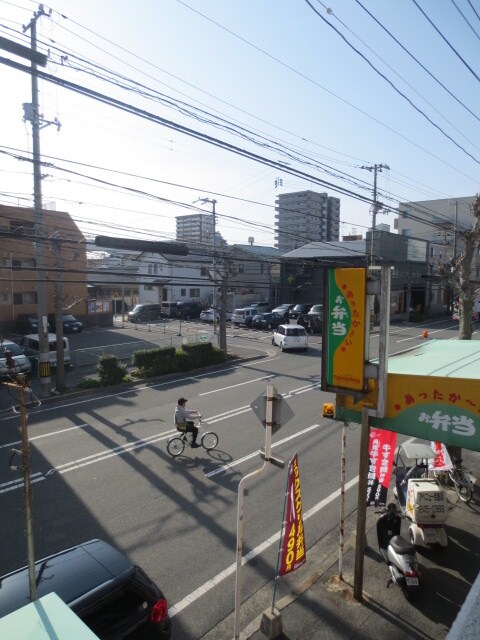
[345,329]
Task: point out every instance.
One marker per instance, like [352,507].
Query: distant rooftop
[439,358]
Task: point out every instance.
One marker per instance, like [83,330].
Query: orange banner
[293,553]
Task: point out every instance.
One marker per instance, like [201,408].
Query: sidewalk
[317,606]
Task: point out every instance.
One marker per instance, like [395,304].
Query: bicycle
[461,481]
[177,443]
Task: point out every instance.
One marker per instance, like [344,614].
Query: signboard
[292,552]
[343,359]
[380,454]
[441,409]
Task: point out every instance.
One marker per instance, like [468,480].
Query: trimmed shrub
[110,370]
[89,383]
[155,362]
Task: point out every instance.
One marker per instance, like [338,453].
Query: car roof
[71,574]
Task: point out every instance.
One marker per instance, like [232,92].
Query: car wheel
[269,326]
[282,347]
[273,342]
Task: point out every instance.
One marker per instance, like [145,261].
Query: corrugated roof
[355,249]
[439,358]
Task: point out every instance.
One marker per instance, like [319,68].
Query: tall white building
[305,216]
[197,227]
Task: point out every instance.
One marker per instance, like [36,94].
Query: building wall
[18,273]
[197,227]
[306,216]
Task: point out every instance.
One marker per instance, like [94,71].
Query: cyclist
[183,416]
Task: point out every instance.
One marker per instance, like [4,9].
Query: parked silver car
[22,363]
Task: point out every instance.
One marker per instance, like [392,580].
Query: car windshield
[137,307]
[14,348]
[295,331]
[317,308]
[69,319]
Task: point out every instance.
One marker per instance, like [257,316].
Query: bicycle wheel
[209,440]
[463,484]
[175,446]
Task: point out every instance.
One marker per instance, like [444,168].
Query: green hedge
[157,362]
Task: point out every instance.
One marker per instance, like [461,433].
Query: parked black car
[27,323]
[70,324]
[300,309]
[314,319]
[113,597]
[147,312]
[266,321]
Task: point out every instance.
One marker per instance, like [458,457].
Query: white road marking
[11,485]
[229,465]
[230,570]
[232,386]
[46,435]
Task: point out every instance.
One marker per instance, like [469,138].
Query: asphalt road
[100,469]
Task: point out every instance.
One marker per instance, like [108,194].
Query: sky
[294,94]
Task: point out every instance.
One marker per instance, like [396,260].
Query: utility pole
[213,202]
[375,168]
[32,113]
[60,372]
[20,382]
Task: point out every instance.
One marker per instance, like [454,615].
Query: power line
[395,88]
[446,40]
[456,98]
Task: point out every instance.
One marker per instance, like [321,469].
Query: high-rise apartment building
[305,216]
[197,227]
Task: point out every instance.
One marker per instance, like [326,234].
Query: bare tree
[458,272]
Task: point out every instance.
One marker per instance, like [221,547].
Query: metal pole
[238,573]
[342,502]
[268,452]
[362,505]
[281,536]
[383,342]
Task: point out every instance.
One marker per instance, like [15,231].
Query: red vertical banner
[380,453]
[442,461]
[292,552]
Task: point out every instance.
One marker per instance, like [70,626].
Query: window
[4,297]
[240,268]
[194,293]
[183,292]
[148,287]
[203,271]
[25,297]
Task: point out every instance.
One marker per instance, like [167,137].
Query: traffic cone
[425,333]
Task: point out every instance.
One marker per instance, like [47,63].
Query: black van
[187,310]
[148,312]
[114,598]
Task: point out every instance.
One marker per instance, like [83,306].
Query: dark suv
[69,322]
[113,597]
[300,310]
[147,312]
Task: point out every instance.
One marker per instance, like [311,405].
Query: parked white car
[290,336]
[207,315]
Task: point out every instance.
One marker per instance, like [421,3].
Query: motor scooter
[421,499]
[399,554]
